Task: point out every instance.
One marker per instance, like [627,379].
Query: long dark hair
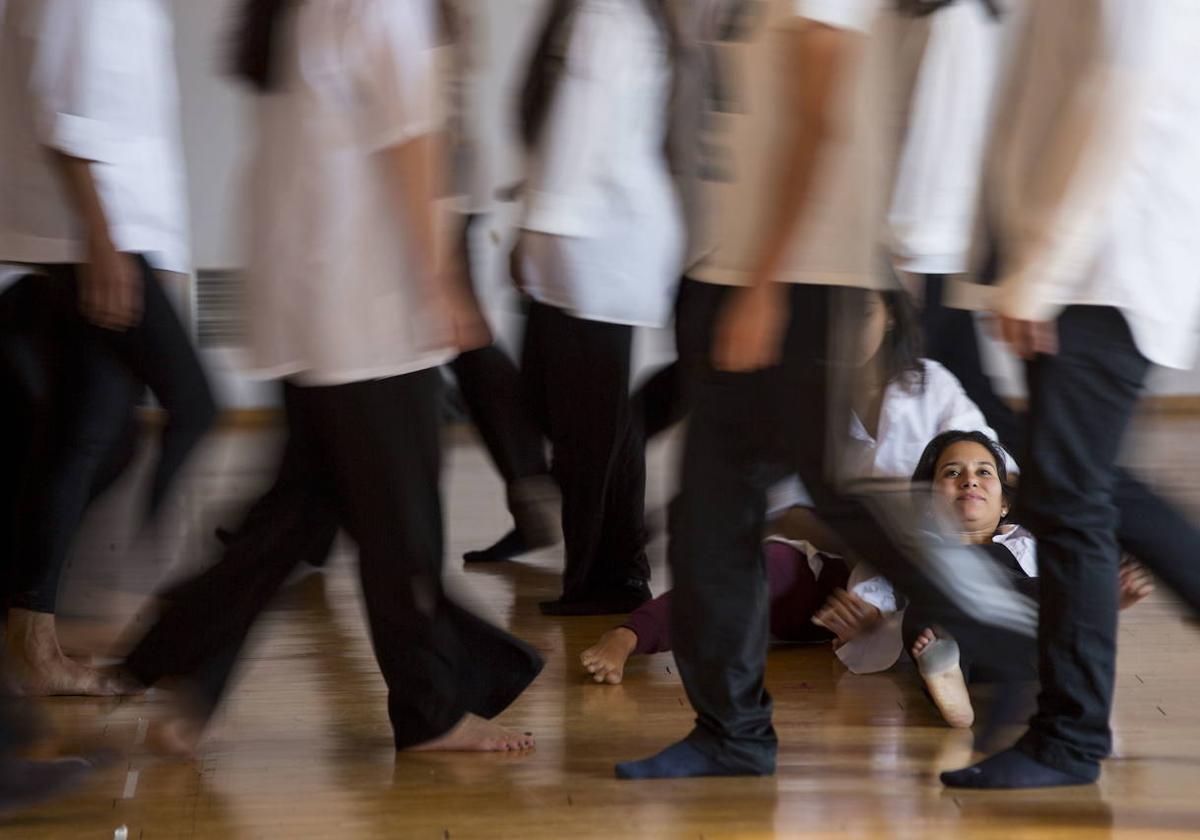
[927,465]
[255,38]
[903,344]
[921,8]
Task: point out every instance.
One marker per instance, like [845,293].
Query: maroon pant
[796,595]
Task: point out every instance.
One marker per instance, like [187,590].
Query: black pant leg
[720,601]
[491,388]
[386,463]
[1082,400]
[1161,536]
[579,375]
[86,411]
[159,353]
[665,398]
[207,618]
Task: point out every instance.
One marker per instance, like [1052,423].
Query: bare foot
[176,737]
[1136,582]
[937,660]
[474,734]
[35,665]
[922,642]
[605,660]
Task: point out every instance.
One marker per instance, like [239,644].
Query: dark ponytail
[255,39]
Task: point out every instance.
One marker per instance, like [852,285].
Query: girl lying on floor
[815,593]
[900,402]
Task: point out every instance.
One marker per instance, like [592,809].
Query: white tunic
[838,239]
[1093,182]
[962,51]
[332,282]
[96,81]
[909,418]
[603,233]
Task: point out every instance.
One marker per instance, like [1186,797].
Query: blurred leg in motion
[369,453]
[490,384]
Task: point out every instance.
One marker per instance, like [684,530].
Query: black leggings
[85,382]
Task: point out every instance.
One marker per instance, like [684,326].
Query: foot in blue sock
[680,761]
[1013,769]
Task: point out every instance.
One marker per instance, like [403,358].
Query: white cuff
[80,137]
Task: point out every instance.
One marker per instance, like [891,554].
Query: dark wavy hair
[904,344]
[927,465]
[921,8]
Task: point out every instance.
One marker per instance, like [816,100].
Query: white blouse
[96,81]
[333,286]
[603,234]
[909,419]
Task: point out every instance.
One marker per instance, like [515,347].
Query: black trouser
[370,452]
[577,379]
[746,431]
[665,398]
[94,378]
[1081,401]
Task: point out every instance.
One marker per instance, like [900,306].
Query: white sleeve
[858,15]
[76,80]
[1084,157]
[397,69]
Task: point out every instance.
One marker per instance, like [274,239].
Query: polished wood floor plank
[302,747]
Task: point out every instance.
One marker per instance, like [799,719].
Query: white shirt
[333,289]
[1093,184]
[909,418]
[838,239]
[603,231]
[93,80]
[879,649]
[960,51]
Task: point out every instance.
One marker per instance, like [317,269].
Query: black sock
[1013,769]
[506,548]
[679,761]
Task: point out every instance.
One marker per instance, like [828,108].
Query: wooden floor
[302,748]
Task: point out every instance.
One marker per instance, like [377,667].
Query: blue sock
[1013,769]
[679,761]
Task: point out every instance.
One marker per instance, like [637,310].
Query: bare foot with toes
[474,734]
[938,661]
[605,660]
